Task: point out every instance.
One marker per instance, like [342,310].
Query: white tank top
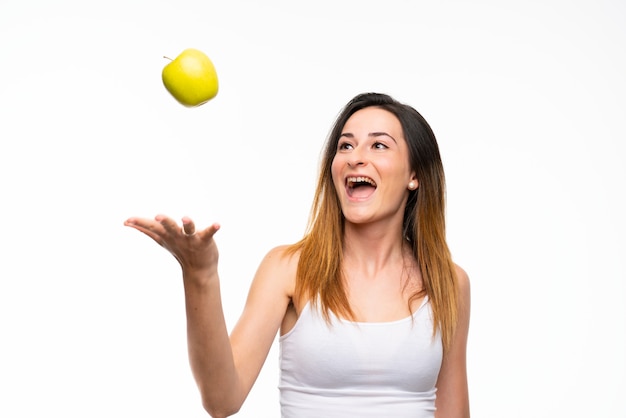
[359,369]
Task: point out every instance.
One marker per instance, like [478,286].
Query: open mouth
[360,187]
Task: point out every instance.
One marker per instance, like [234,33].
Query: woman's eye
[380,145]
[345,145]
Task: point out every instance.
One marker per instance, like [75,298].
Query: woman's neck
[373,248]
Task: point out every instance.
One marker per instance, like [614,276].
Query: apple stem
[167,58]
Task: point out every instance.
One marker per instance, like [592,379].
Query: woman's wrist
[200,278]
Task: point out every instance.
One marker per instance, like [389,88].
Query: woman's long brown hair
[319,276]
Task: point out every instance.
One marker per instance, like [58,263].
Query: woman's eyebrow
[371,134]
[375,134]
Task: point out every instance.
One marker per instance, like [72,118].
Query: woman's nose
[354,162]
[356,159]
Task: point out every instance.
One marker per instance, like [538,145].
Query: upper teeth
[352,180]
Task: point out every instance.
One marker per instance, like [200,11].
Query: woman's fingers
[209,231]
[163,229]
[170,226]
[189,228]
[147,226]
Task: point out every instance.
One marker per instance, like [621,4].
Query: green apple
[191,78]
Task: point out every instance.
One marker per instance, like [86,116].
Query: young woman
[373,313]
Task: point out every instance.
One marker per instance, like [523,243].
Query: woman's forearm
[210,351]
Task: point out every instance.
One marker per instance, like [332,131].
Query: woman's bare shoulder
[279,266]
[463,283]
[282,256]
[462,278]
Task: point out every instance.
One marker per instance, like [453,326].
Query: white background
[527,100]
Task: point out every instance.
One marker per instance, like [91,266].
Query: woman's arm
[224,367]
[452,391]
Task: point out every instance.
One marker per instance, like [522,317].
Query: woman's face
[371,170]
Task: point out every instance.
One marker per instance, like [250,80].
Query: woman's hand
[195,251]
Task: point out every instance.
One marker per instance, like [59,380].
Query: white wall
[527,100]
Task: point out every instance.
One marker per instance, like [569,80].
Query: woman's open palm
[195,251]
